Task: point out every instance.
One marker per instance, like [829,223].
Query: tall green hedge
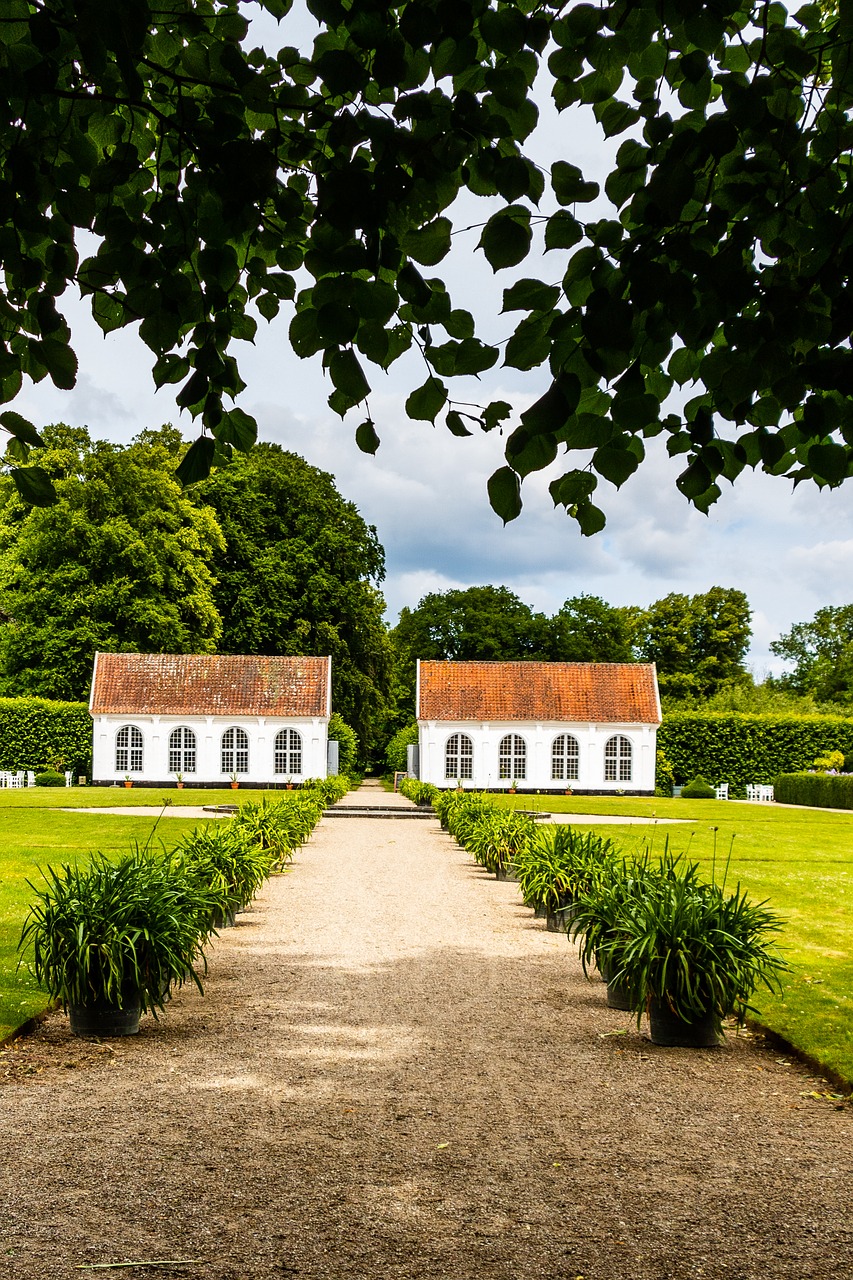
[823,790]
[36,733]
[729,746]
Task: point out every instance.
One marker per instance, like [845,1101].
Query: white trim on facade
[157,730]
[538,739]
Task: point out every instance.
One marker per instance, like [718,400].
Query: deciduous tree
[698,642]
[822,655]
[121,561]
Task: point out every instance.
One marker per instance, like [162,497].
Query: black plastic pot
[558,921]
[100,1019]
[666,1028]
[506,873]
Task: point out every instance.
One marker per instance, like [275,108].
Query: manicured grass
[799,859]
[34,831]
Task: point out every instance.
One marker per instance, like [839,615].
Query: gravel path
[397,1072]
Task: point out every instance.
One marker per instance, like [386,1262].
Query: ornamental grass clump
[686,946]
[221,857]
[498,837]
[560,863]
[418,792]
[279,827]
[118,933]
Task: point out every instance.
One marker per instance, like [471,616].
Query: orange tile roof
[187,684]
[567,692]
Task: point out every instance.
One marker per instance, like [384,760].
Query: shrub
[748,748]
[833,760]
[34,730]
[822,790]
[347,740]
[396,757]
[419,792]
[699,789]
[50,779]
[559,863]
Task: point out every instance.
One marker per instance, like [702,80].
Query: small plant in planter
[558,865]
[110,940]
[690,953]
[179,781]
[234,782]
[128,781]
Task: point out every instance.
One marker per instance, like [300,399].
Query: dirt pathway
[396,1072]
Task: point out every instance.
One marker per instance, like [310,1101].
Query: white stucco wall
[208,732]
[538,738]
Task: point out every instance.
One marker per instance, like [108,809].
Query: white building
[212,718]
[541,726]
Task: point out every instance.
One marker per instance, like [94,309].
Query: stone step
[378,811]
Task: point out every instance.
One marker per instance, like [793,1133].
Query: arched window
[459,756]
[618,759]
[288,752]
[565,758]
[512,757]
[182,750]
[235,751]
[129,749]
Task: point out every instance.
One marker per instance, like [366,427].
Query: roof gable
[188,684]
[567,692]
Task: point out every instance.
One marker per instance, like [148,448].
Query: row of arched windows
[234,751]
[565,758]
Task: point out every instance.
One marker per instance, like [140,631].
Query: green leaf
[563,230]
[506,237]
[531,295]
[572,488]
[427,401]
[366,437]
[455,425]
[238,429]
[528,453]
[569,184]
[20,428]
[505,494]
[615,464]
[831,462]
[348,376]
[530,345]
[495,413]
[551,412]
[34,486]
[590,518]
[60,362]
[196,462]
[429,244]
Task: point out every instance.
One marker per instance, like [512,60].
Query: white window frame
[565,758]
[235,750]
[512,758]
[130,749]
[287,753]
[618,759]
[459,757]
[183,750]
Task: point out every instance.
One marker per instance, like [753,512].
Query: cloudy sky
[425,491]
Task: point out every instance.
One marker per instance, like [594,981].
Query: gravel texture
[397,1072]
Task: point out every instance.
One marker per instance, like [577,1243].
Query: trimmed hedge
[36,733]
[823,790]
[730,746]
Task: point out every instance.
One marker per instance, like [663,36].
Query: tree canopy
[821,652]
[298,573]
[121,561]
[209,181]
[699,642]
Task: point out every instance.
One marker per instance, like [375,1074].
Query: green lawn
[799,859]
[34,832]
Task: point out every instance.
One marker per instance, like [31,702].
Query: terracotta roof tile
[187,684]
[567,692]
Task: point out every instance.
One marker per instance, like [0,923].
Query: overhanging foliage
[210,172]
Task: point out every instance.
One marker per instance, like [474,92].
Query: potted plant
[128,781]
[558,865]
[234,783]
[179,781]
[110,940]
[690,953]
